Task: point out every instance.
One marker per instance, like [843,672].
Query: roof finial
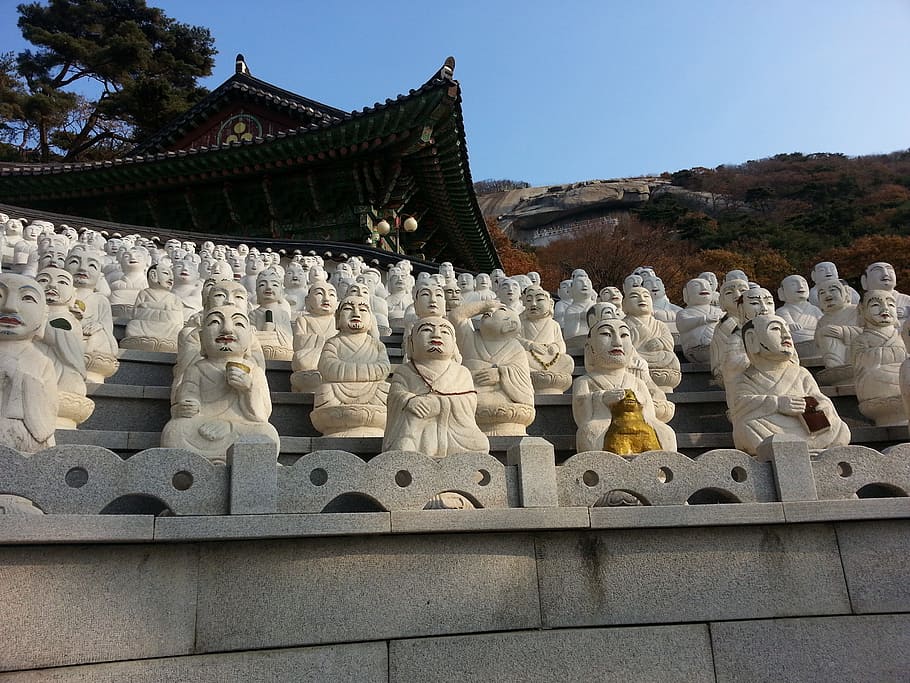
[448,68]
[241,67]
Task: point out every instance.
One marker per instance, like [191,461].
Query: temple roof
[406,156]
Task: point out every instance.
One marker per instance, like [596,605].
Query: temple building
[255,161]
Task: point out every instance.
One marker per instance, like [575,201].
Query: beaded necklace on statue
[434,390]
[544,364]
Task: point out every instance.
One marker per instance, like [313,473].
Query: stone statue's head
[768,337]
[879,308]
[611,295]
[161,276]
[638,302]
[879,275]
[452,294]
[631,281]
[483,282]
[534,277]
[793,289]
[432,338]
[269,286]
[563,292]
[22,307]
[832,295]
[361,289]
[354,316]
[753,302]
[710,277]
[321,299]
[226,332]
[698,292]
[602,310]
[581,289]
[86,265]
[823,272]
[134,260]
[186,271]
[447,270]
[57,284]
[294,275]
[736,274]
[227,293]
[429,300]
[654,285]
[537,302]
[609,345]
[509,291]
[221,270]
[500,322]
[466,282]
[254,263]
[730,292]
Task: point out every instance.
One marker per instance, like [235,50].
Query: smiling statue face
[321,299]
[832,296]
[698,292]
[824,271]
[483,282]
[756,302]
[354,316]
[638,302]
[794,289]
[499,323]
[538,303]
[730,293]
[433,339]
[268,287]
[161,277]
[226,333]
[879,276]
[22,307]
[430,300]
[85,266]
[769,337]
[57,284]
[879,308]
[611,344]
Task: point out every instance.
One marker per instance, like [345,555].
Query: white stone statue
[62,337]
[727,330]
[97,321]
[25,253]
[880,276]
[429,302]
[499,365]
[432,400]
[652,339]
[834,333]
[483,289]
[351,401]
[452,294]
[752,302]
[696,322]
[134,262]
[400,298]
[222,396]
[311,330]
[608,386]
[711,277]
[541,337]
[877,354]
[253,265]
[801,316]
[12,235]
[574,319]
[612,295]
[563,300]
[157,315]
[369,280]
[664,309]
[776,395]
[28,380]
[466,284]
[187,286]
[509,293]
[825,272]
[271,318]
[296,287]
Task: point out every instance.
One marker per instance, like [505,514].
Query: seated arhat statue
[835,330]
[877,354]
[62,337]
[432,400]
[271,317]
[28,380]
[776,395]
[696,322]
[664,309]
[574,320]
[134,262]
[825,272]
[499,365]
[222,395]
[354,365]
[101,347]
[881,276]
[610,385]
[541,337]
[652,339]
[801,316]
[157,315]
[310,333]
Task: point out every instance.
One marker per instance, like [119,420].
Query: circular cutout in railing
[318,477]
[76,478]
[844,470]
[664,475]
[590,478]
[739,474]
[182,480]
[403,478]
[482,477]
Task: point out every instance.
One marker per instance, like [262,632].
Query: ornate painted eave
[407,156]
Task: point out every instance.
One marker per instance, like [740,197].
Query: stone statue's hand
[902,312]
[239,379]
[214,430]
[91,327]
[423,406]
[613,395]
[188,407]
[487,377]
[653,345]
[712,317]
[552,349]
[833,331]
[795,326]
[791,405]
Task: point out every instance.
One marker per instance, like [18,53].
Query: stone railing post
[536,462]
[789,458]
[254,477]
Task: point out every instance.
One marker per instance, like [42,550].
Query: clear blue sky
[565,91]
